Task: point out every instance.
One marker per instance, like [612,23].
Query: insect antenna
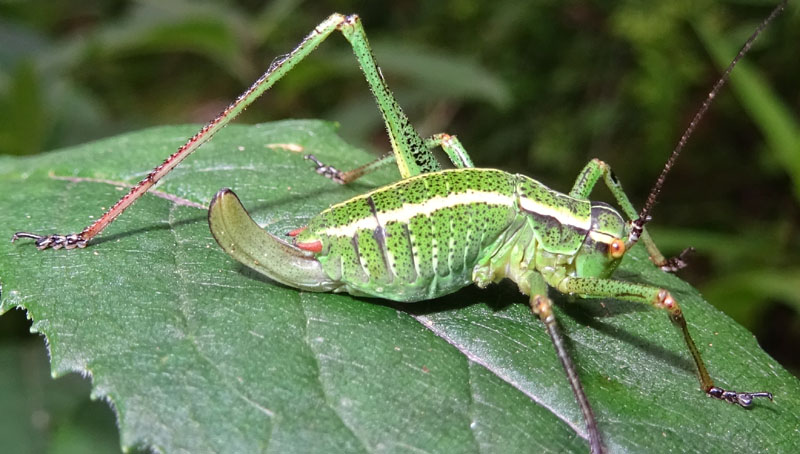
[644,215]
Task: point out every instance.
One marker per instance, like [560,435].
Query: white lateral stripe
[601,237]
[408,211]
[564,218]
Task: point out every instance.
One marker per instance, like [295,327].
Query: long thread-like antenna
[644,216]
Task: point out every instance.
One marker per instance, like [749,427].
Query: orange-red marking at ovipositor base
[314,246]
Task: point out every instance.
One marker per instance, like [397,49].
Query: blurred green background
[536,87]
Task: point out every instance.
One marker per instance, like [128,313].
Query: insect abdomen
[417,239]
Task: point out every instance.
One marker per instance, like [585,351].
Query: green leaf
[199,354]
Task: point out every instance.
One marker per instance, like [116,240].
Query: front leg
[583,187]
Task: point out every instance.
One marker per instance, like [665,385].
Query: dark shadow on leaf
[581,316]
[256,276]
[496,297]
[300,199]
[150,228]
[203,217]
[585,312]
[597,307]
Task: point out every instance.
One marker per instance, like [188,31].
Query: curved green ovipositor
[244,240]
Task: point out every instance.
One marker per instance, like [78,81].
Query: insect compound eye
[616,249]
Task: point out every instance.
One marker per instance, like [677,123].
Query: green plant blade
[199,354]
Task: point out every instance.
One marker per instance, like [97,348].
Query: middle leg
[661,299]
[542,307]
[450,144]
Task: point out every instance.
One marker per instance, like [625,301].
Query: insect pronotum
[436,231]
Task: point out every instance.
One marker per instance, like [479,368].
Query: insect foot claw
[674,264]
[325,170]
[54,241]
[742,399]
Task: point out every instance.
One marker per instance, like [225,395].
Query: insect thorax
[556,236]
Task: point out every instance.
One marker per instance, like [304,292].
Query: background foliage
[537,88]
